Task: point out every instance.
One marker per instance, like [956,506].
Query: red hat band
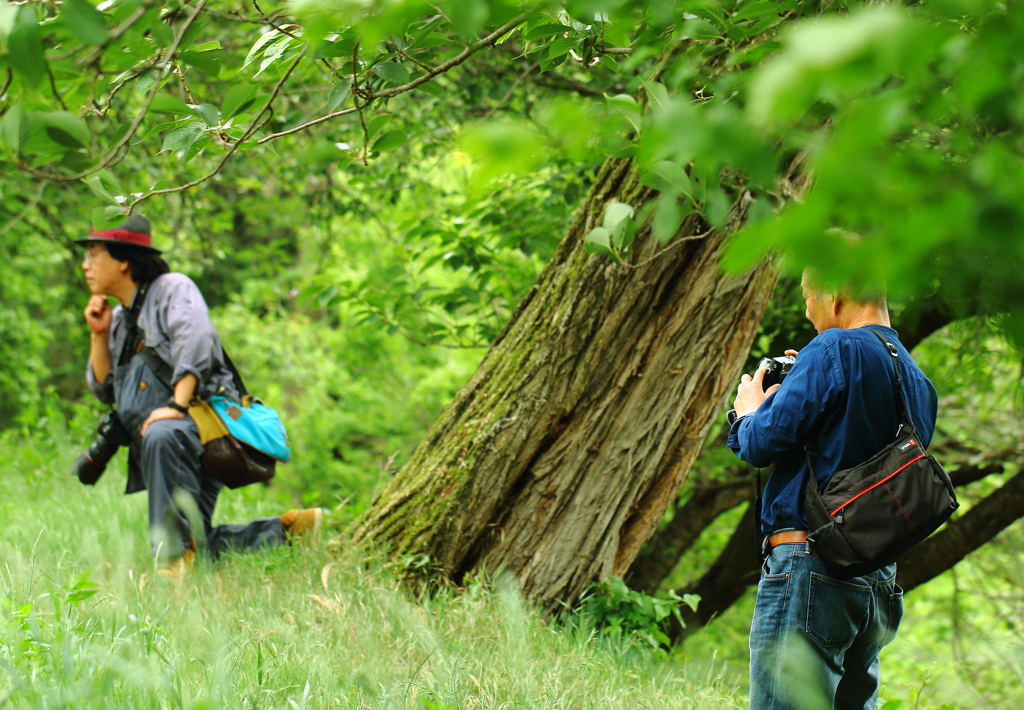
[123,235]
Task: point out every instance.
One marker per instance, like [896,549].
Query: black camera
[776,369]
[110,436]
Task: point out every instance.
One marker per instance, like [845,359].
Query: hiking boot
[178,567]
[303,524]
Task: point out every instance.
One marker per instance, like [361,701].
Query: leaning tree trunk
[558,458]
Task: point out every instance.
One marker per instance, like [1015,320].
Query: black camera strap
[133,340]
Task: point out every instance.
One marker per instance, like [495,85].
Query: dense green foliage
[910,118]
[364,191]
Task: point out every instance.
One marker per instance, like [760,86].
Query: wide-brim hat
[133,232]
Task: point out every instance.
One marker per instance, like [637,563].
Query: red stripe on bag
[866,490]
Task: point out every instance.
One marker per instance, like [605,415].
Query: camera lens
[110,436]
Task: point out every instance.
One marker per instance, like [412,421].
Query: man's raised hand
[99,315]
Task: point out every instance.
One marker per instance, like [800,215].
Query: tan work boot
[303,524]
[178,567]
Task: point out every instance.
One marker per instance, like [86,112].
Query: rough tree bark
[556,461]
[689,520]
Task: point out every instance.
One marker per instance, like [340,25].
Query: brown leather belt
[789,536]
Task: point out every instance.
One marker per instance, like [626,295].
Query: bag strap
[242,391]
[899,381]
[134,344]
[164,372]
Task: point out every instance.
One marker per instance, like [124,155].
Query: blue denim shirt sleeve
[786,418]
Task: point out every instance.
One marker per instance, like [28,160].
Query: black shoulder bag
[871,515]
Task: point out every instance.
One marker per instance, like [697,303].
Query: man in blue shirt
[815,640]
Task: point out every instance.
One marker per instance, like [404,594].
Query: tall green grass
[87,624]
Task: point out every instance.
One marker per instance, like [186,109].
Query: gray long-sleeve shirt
[176,324]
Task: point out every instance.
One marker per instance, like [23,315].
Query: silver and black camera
[776,369]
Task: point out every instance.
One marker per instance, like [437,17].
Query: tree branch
[729,576]
[140,11]
[138,120]
[970,473]
[455,61]
[28,208]
[256,125]
[668,545]
[963,535]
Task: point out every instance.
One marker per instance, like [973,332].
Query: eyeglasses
[91,252]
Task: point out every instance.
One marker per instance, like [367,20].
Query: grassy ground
[85,623]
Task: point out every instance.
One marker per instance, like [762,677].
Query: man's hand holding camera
[751,393]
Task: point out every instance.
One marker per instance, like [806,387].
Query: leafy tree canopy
[907,117]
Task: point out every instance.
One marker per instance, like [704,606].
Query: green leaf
[562,45]
[206,46]
[237,100]
[208,112]
[206,62]
[598,241]
[96,185]
[182,137]
[434,39]
[262,42]
[275,52]
[391,139]
[628,107]
[147,80]
[667,217]
[106,217]
[543,31]
[339,94]
[196,147]
[716,208]
[84,21]
[66,129]
[160,128]
[673,176]
[469,16]
[191,33]
[342,46]
[657,93]
[25,44]
[159,30]
[617,220]
[892,705]
[376,124]
[549,63]
[165,103]
[241,119]
[12,125]
[392,72]
[616,213]
[700,30]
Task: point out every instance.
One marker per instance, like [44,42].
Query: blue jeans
[815,639]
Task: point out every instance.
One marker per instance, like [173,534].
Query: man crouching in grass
[165,448]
